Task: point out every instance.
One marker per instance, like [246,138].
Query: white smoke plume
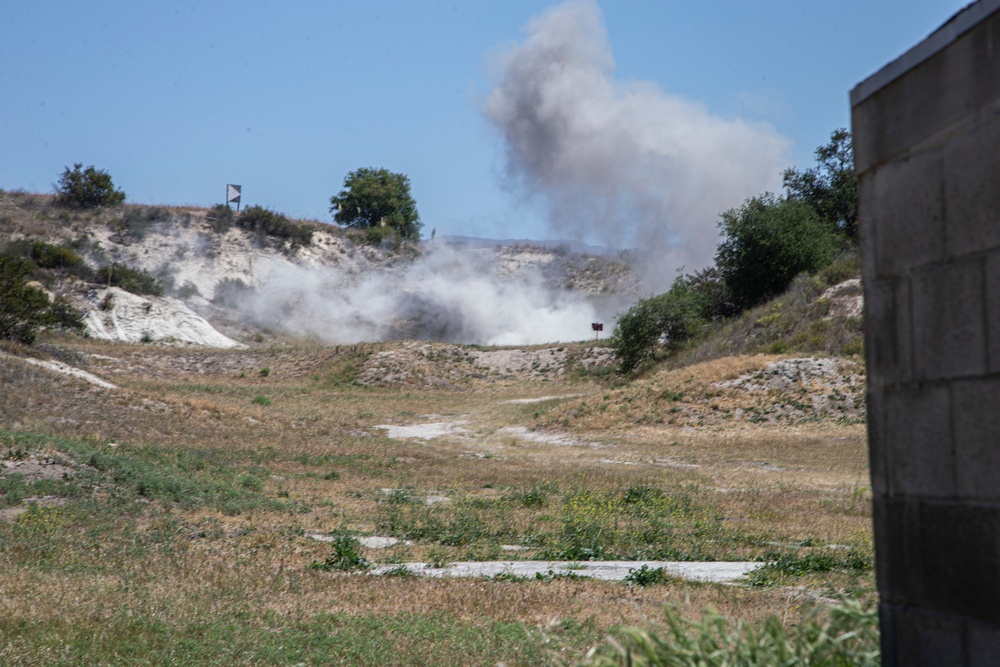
[444,295]
[626,162]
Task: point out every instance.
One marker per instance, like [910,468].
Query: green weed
[848,636]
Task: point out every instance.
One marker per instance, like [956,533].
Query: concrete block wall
[927,151]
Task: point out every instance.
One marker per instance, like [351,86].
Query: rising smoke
[626,162]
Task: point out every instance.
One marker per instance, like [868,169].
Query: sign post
[233,195]
[597,327]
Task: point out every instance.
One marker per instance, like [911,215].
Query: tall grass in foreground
[848,636]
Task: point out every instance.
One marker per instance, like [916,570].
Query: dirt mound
[450,366]
[760,389]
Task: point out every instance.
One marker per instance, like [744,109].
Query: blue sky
[177,99]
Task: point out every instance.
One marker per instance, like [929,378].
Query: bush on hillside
[766,243]
[64,316]
[220,218]
[230,292]
[263,222]
[672,318]
[44,255]
[138,220]
[87,188]
[129,279]
[23,309]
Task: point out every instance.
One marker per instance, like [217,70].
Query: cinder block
[972,195]
[993,310]
[909,213]
[887,630]
[976,409]
[949,327]
[929,98]
[983,642]
[878,457]
[867,224]
[917,440]
[888,332]
[960,559]
[898,539]
[926,639]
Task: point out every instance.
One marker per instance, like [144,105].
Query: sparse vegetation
[345,555]
[129,279]
[139,220]
[231,291]
[767,243]
[220,218]
[25,309]
[849,635]
[187,514]
[264,223]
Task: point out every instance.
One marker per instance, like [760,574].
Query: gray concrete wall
[927,151]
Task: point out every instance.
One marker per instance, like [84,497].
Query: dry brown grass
[804,483]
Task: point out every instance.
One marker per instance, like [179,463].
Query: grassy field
[168,521]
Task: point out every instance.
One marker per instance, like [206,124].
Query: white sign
[233,193]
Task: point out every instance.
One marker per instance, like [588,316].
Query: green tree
[766,243]
[377,198]
[23,309]
[672,318]
[830,188]
[87,188]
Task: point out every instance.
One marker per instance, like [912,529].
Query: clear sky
[177,99]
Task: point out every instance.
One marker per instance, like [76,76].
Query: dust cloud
[624,162]
[444,295]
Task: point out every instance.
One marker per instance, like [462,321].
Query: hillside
[334,287]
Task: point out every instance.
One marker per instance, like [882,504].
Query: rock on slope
[114,314]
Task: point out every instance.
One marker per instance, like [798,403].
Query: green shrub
[798,565]
[647,576]
[263,222]
[188,289]
[138,220]
[87,188]
[230,292]
[45,255]
[62,314]
[220,218]
[23,309]
[129,279]
[385,237]
[848,636]
[345,555]
[673,317]
[766,243]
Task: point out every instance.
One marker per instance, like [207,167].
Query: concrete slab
[605,570]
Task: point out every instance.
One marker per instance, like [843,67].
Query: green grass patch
[189,478]
[636,522]
[848,635]
[782,566]
[242,637]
